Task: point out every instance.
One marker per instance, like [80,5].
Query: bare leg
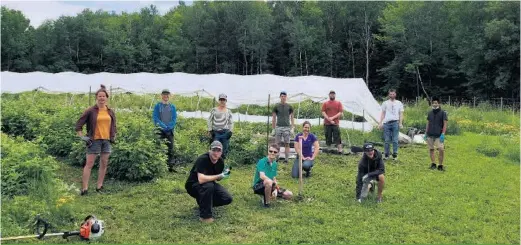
[267,191]
[440,155]
[381,185]
[287,152]
[432,154]
[104,162]
[86,171]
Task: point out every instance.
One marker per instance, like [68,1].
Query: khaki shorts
[282,134]
[434,142]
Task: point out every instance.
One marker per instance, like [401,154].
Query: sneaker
[433,166]
[285,161]
[386,157]
[100,190]
[441,168]
[308,174]
[379,200]
[84,192]
[395,157]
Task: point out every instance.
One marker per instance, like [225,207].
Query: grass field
[475,201]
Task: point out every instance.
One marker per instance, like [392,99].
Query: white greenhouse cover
[252,89]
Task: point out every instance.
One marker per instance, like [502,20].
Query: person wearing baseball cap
[220,124]
[202,182]
[371,169]
[165,118]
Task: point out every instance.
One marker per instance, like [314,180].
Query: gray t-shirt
[283,111]
[166,113]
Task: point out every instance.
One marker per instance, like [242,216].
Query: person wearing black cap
[282,115]
[220,124]
[165,118]
[201,183]
[371,169]
[332,110]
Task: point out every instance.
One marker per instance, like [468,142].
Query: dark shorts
[259,189]
[332,134]
[99,146]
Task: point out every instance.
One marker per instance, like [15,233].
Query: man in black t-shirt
[201,183]
[435,132]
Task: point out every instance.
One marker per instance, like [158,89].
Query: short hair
[275,146]
[392,90]
[306,122]
[435,98]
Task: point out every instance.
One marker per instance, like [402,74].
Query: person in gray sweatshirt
[220,124]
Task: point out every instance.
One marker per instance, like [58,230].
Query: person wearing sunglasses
[202,182]
[265,181]
[220,124]
[371,169]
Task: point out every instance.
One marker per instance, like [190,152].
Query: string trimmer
[91,229]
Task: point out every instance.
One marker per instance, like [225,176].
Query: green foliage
[57,132]
[456,48]
[26,169]
[30,186]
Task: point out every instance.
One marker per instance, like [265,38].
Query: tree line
[468,49]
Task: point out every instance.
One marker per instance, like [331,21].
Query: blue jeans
[306,165]
[391,132]
[223,136]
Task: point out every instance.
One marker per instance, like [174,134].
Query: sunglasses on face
[216,150]
[273,152]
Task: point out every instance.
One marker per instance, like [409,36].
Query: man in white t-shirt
[391,120]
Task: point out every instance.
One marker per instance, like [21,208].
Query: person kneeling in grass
[435,132]
[309,141]
[201,183]
[264,180]
[371,169]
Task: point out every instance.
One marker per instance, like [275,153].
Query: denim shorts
[99,146]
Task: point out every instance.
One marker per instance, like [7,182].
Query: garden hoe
[91,229]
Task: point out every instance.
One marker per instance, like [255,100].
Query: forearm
[444,127]
[207,178]
[401,117]
[292,121]
[273,122]
[337,115]
[382,115]
[79,133]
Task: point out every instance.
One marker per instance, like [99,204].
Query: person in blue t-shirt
[309,141]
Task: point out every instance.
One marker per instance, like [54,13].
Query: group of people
[209,168]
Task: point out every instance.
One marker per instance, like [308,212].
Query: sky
[38,11]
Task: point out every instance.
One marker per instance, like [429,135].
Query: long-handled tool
[91,229]
[300,168]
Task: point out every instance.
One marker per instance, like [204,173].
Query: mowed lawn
[475,201]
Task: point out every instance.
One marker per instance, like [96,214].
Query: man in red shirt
[332,110]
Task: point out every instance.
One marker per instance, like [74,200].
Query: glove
[359,200]
[365,179]
[225,174]
[425,137]
[87,140]
[442,138]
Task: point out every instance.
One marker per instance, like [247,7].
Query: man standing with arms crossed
[435,132]
[282,129]
[165,117]
[391,120]
[332,110]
